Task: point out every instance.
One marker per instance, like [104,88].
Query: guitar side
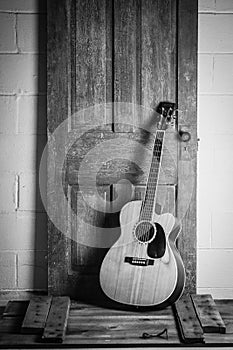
[157,284]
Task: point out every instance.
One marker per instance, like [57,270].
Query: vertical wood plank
[80,76]
[58,110]
[126,69]
[125,54]
[187,100]
[158,50]
[93,87]
[93,59]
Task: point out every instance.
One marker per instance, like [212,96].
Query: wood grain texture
[58,111]
[135,285]
[55,328]
[93,61]
[187,118]
[94,326]
[208,314]
[189,326]
[36,315]
[126,68]
[158,50]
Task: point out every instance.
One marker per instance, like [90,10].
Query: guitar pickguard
[157,247]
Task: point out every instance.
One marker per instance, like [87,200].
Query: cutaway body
[144,272]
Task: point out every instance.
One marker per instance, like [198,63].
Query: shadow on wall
[40,275]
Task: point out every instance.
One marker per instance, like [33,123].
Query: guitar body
[144,269]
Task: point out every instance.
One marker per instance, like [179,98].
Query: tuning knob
[184,135]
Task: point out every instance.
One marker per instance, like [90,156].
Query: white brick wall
[23,247]
[215,163]
[23,221]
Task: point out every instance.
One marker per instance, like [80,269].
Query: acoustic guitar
[144,268]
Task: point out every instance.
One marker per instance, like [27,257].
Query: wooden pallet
[208,314]
[95,326]
[43,315]
[55,328]
[189,326]
[196,315]
[36,315]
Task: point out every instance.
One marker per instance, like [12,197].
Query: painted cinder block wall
[23,230]
[215,171]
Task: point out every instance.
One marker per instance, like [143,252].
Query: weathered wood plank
[187,120]
[187,321]
[100,326]
[158,50]
[93,60]
[209,316]
[126,68]
[36,315]
[58,110]
[15,308]
[56,323]
[78,78]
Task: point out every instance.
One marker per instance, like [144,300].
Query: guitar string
[152,180]
[148,205]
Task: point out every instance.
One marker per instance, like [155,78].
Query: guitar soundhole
[145,231]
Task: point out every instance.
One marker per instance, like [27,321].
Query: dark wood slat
[36,315]
[56,323]
[209,316]
[187,321]
[15,308]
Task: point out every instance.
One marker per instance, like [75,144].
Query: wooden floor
[92,326]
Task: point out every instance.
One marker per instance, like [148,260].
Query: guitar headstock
[166,111]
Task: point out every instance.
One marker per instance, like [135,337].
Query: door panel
[130,53]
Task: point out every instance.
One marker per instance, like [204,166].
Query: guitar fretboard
[152,183]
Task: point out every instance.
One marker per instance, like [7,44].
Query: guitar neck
[148,204]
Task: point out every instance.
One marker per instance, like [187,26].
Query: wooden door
[134,53]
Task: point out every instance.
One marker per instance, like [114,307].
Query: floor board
[93,326]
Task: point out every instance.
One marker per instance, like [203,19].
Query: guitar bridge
[138,261]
